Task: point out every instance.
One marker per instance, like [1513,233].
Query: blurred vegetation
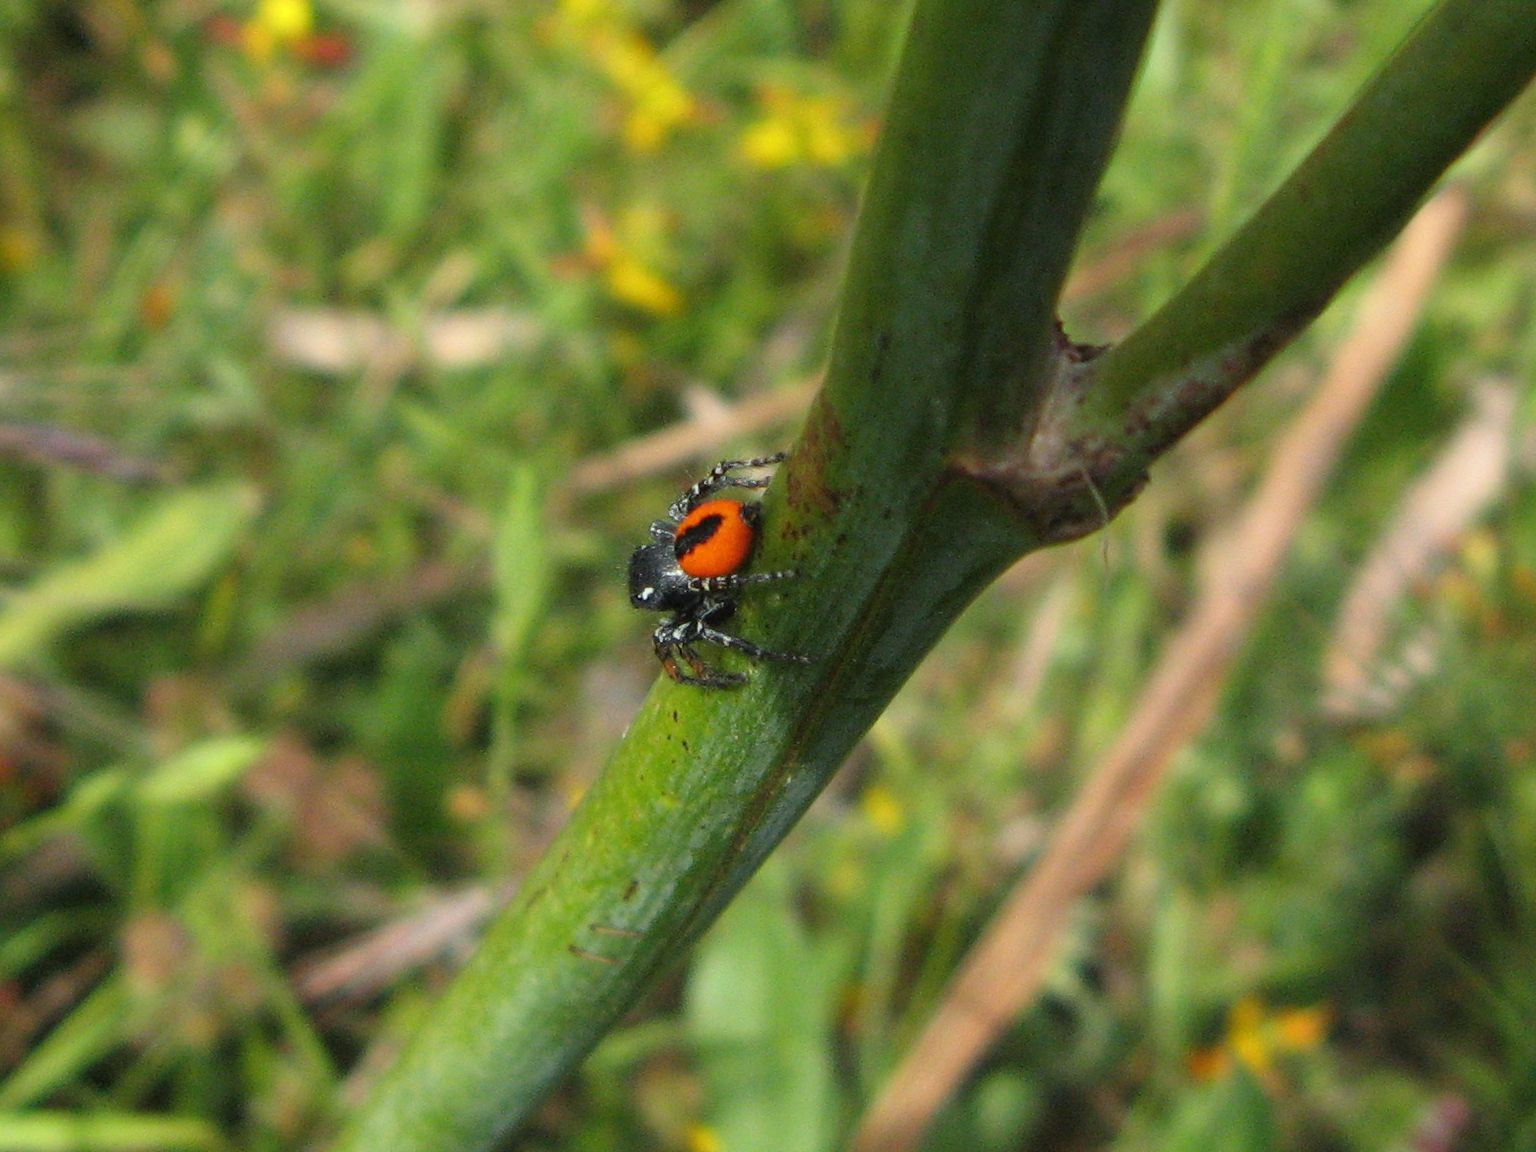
[311,317]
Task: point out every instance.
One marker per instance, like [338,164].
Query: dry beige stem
[1459,487]
[689,439]
[376,959]
[1018,689]
[1130,252]
[1004,970]
[338,341]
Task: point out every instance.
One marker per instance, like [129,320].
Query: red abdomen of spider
[717,538]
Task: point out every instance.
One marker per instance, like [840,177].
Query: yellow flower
[1301,1029]
[658,102]
[631,282]
[656,113]
[770,143]
[277,24]
[289,20]
[1247,1037]
[883,810]
[812,130]
[703,1139]
[1256,1037]
[628,255]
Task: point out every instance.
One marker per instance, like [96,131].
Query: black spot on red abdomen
[698,533]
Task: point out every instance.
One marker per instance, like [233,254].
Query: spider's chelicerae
[695,568]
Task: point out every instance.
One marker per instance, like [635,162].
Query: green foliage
[761,1006]
[103,1132]
[170,551]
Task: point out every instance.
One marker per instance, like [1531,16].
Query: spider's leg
[663,531]
[702,674]
[720,477]
[746,647]
[666,642]
[676,638]
[736,581]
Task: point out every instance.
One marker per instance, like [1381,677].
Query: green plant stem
[1462,65]
[1001,120]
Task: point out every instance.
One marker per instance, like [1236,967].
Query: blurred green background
[347,349]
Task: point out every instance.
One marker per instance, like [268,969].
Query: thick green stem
[1001,120]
